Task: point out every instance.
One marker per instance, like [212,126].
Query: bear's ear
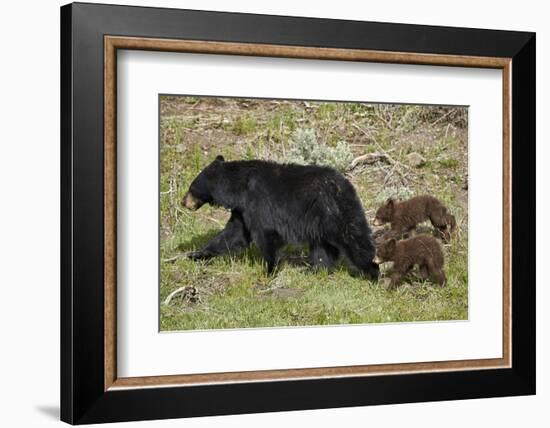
[220,158]
[390,203]
[392,243]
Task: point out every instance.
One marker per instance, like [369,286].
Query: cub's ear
[220,158]
[390,202]
[392,243]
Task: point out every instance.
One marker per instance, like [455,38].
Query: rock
[415,160]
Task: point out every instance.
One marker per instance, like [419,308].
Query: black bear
[422,250]
[404,216]
[277,204]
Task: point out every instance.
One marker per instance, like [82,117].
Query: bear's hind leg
[323,255]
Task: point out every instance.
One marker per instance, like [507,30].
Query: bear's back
[421,248]
[291,177]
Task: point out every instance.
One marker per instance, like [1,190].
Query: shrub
[306,150]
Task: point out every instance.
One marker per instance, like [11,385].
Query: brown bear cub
[404,216]
[422,250]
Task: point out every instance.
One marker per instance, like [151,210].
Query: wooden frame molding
[113,43]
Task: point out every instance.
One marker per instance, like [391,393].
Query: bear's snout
[378,222]
[191,202]
[377,260]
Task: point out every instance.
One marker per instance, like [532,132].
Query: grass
[244,125]
[234,290]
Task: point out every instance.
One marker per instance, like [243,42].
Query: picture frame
[91,391]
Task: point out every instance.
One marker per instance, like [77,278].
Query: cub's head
[203,186]
[385,251]
[384,214]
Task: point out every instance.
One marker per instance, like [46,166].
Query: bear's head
[385,252]
[201,190]
[384,214]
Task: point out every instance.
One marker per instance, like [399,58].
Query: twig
[389,174]
[272,288]
[380,115]
[184,212]
[447,130]
[439,119]
[176,257]
[267,290]
[172,181]
[212,220]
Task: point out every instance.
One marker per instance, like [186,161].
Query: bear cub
[404,216]
[422,250]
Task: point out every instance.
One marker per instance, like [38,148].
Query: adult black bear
[277,204]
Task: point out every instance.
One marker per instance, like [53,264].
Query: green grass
[244,125]
[235,291]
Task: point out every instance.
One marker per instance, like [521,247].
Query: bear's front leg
[269,242]
[232,239]
[400,269]
[437,275]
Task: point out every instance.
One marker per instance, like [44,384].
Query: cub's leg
[451,222]
[436,274]
[395,280]
[439,219]
[424,272]
[399,271]
[396,231]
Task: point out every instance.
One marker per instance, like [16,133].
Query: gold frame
[112,43]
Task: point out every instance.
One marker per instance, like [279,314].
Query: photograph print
[288,213]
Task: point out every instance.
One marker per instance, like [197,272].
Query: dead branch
[187,292]
[380,149]
[368,159]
